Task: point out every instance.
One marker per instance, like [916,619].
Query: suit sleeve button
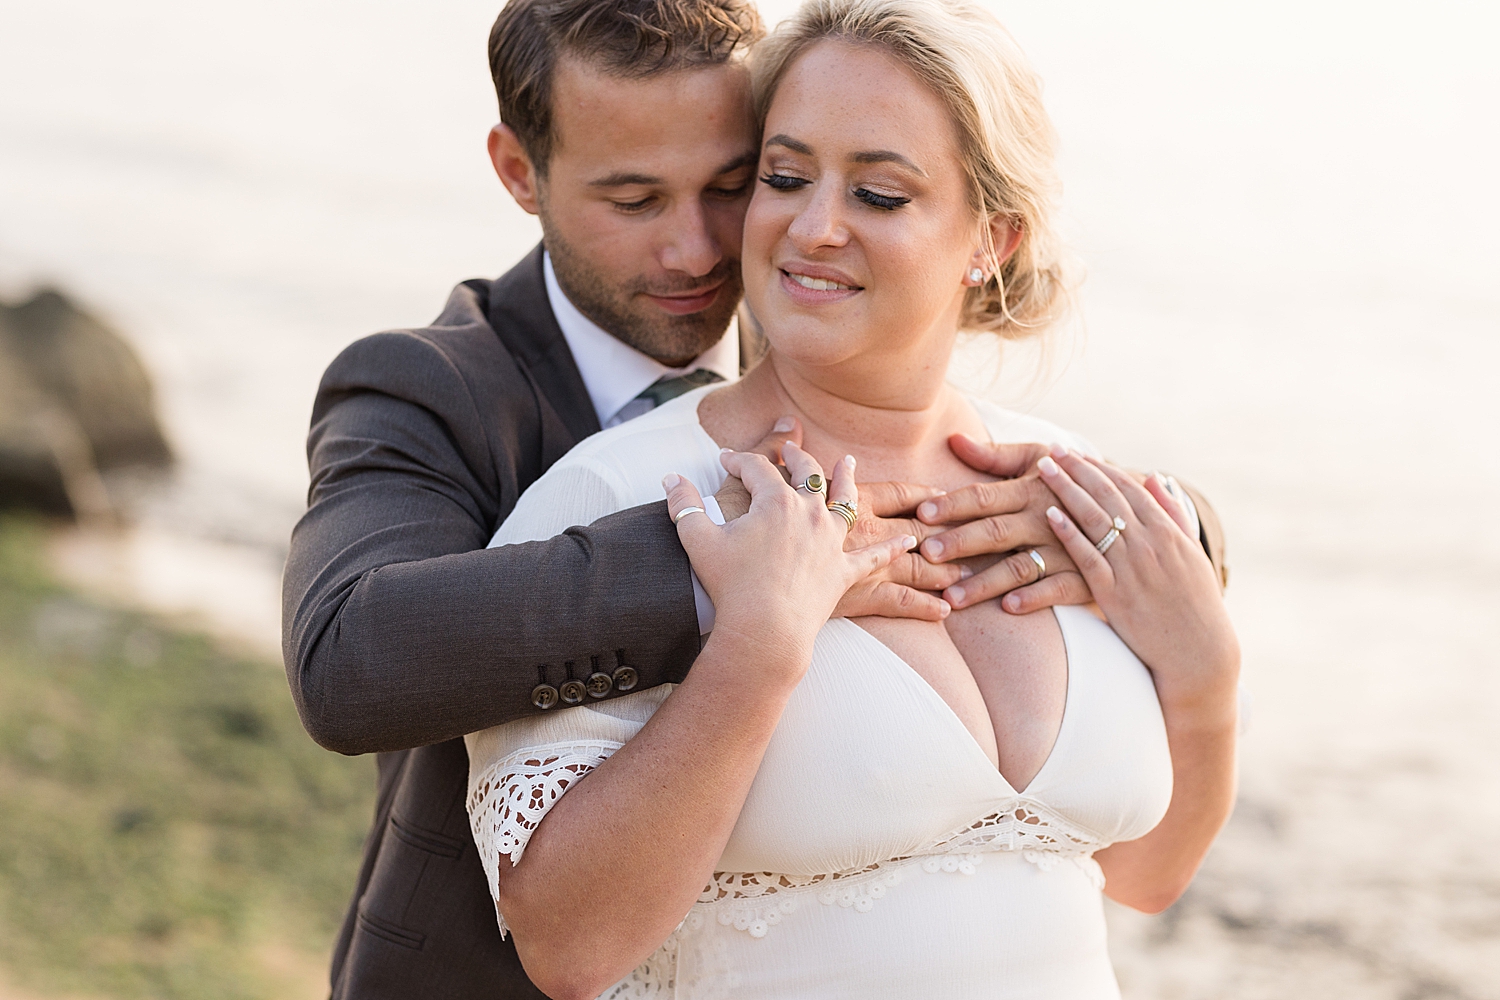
[626,678]
[599,684]
[544,696]
[572,692]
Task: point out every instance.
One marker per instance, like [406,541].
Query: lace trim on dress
[508,800]
[755,902]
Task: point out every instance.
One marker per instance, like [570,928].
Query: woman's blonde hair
[1006,140]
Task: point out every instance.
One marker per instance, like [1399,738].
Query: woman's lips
[807,289]
[682,305]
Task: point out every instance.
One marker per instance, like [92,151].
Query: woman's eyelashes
[788,182]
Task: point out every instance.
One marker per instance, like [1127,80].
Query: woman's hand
[1154,584]
[1161,595]
[778,572]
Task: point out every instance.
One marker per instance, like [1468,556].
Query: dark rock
[74,400]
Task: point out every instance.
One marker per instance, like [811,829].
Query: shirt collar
[613,372]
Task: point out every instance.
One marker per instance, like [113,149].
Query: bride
[870,808]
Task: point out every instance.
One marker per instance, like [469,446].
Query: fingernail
[956,595]
[933,547]
[1056,516]
[726,451]
[927,510]
[784,424]
[1048,467]
[964,572]
[1012,603]
[670,481]
[849,461]
[944,609]
[909,542]
[1059,451]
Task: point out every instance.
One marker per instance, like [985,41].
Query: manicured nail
[849,461]
[670,480]
[1056,516]
[1048,467]
[909,542]
[1012,603]
[933,548]
[1059,451]
[956,594]
[726,451]
[784,424]
[964,572]
[927,511]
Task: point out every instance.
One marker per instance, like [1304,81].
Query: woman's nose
[819,223]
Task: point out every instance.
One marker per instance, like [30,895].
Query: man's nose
[689,247]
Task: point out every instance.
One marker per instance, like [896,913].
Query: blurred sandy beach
[1288,214]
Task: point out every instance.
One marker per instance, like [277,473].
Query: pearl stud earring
[976,275]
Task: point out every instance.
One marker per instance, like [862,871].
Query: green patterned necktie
[669,387]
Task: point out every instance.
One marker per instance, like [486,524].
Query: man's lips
[682,305]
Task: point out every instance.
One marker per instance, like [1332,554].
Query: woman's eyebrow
[790,143]
[887,156]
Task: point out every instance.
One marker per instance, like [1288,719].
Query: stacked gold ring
[848,511]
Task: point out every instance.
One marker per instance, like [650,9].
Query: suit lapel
[522,317]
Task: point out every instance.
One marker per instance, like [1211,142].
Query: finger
[894,499]
[911,570]
[989,535]
[1015,570]
[1089,473]
[841,484]
[1142,503]
[682,495]
[892,600]
[1078,501]
[978,500]
[873,558]
[869,529]
[760,477]
[1007,460]
[786,429]
[1064,588]
[1164,490]
[800,465]
[1094,568]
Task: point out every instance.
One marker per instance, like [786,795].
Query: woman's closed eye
[783,182]
[882,201]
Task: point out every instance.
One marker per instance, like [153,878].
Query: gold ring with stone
[1114,533]
[847,511]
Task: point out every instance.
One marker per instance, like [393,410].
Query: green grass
[166,827]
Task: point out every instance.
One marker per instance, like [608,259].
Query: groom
[627,130]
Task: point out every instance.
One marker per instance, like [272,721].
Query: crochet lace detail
[509,799]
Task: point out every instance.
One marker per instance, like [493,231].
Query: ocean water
[1288,215]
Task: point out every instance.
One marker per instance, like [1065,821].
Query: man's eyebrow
[790,143]
[887,156]
[624,179]
[746,159]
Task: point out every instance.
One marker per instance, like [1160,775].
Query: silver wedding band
[814,485]
[1109,539]
[684,512]
[1041,564]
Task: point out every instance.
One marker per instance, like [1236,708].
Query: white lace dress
[879,853]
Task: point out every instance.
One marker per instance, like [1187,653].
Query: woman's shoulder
[1012,426]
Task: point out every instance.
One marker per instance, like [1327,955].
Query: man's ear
[514,168]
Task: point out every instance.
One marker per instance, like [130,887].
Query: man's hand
[909,586]
[1009,516]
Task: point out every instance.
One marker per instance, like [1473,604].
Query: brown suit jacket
[401,632]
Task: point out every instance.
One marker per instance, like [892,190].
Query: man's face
[644,199]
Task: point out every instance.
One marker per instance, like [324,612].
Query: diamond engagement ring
[848,511]
[1109,539]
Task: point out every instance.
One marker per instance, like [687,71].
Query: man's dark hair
[629,38]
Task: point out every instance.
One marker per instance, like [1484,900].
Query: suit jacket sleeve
[399,628]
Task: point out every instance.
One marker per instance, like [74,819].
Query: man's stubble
[672,340]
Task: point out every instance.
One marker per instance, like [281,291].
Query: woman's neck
[895,420]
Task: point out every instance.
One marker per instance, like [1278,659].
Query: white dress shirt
[614,373]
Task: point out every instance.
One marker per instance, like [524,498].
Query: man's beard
[671,340]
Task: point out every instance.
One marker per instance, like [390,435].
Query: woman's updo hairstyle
[971,62]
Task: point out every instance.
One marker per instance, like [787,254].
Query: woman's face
[860,232]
